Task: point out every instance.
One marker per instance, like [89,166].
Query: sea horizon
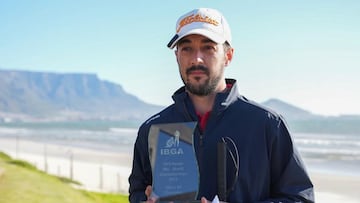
[330,153]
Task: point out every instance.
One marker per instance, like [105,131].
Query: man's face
[201,64]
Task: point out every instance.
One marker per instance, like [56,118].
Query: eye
[209,48]
[185,49]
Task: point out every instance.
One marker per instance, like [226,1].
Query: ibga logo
[172,146]
[173,141]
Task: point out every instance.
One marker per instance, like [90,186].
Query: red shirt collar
[203,119]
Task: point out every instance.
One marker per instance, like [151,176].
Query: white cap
[203,21]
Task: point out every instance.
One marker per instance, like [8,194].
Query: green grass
[22,182]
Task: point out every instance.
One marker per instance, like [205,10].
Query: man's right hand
[148,192]
[204,200]
[152,199]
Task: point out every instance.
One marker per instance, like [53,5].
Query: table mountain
[67,96]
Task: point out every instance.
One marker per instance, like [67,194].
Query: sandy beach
[96,170]
[336,188]
[108,171]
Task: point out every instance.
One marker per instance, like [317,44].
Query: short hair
[227,46]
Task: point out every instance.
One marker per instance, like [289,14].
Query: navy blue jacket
[270,168]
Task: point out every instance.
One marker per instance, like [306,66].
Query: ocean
[108,136]
[329,153]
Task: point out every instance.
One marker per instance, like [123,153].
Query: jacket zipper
[201,135]
[201,139]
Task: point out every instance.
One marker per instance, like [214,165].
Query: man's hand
[204,200]
[150,198]
[216,200]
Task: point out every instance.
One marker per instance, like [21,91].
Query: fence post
[71,164]
[101,177]
[118,182]
[59,170]
[17,147]
[45,159]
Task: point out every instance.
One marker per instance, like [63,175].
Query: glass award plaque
[173,162]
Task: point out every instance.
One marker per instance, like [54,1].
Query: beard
[205,88]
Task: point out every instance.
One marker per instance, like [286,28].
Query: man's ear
[229,56]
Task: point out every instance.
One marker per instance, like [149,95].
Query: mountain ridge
[67,95]
[288,110]
[49,96]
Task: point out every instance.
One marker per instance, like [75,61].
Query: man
[268,167]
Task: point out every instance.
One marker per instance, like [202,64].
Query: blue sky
[303,52]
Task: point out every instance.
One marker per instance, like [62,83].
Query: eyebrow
[185,40]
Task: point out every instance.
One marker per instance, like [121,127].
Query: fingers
[150,197]
[204,200]
[148,191]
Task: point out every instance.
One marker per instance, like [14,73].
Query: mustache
[196,68]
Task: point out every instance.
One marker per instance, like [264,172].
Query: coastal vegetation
[21,182]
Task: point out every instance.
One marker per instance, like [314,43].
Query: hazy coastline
[99,155]
[107,171]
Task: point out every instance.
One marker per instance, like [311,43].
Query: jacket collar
[222,100]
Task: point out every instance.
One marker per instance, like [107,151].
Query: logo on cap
[196,18]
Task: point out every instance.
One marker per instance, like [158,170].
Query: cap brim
[211,35]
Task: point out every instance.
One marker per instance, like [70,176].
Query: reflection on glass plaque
[173,161]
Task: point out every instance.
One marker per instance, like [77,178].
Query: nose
[197,58]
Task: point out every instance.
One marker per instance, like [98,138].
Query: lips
[197,70]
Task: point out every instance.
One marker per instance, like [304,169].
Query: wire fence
[69,162]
